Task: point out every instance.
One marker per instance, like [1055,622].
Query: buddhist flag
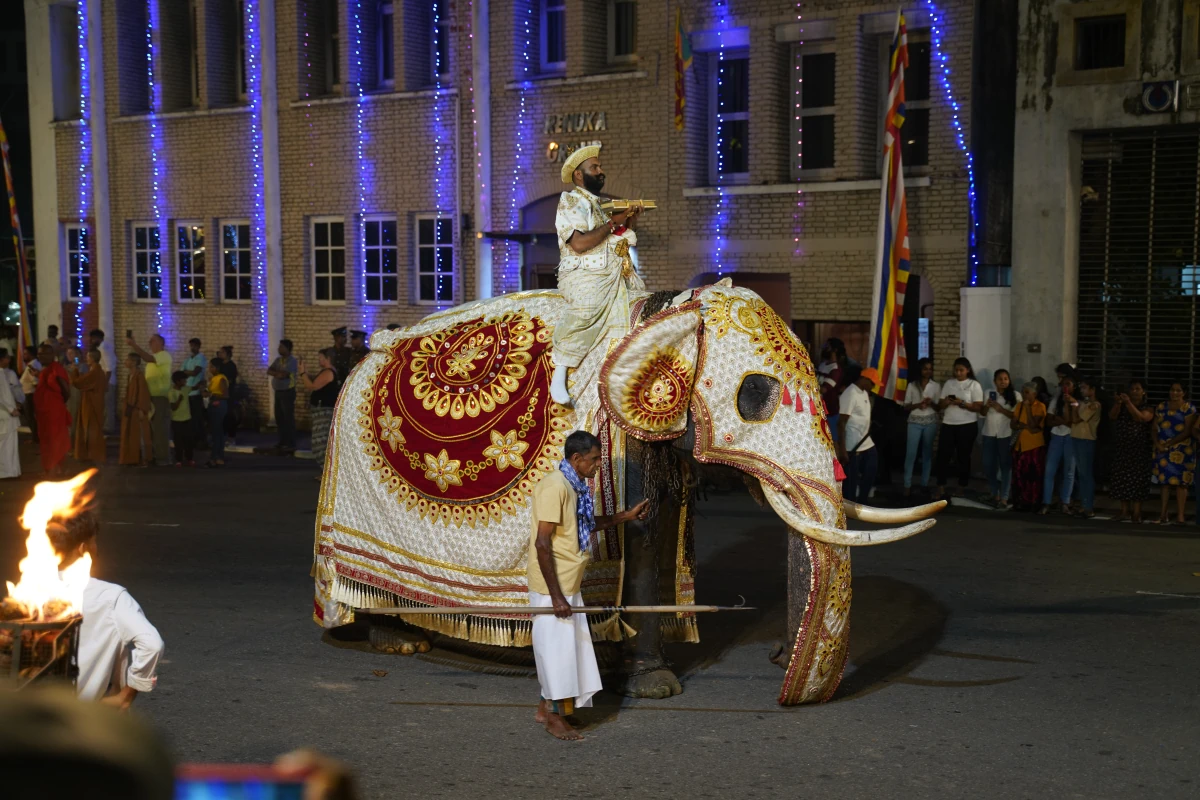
[683,61]
[18,245]
[891,252]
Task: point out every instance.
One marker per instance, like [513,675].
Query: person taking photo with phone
[962,400]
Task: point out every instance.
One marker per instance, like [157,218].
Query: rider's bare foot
[559,728]
[540,716]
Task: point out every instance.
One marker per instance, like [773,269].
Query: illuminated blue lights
[258,224]
[443,175]
[721,217]
[942,66]
[512,250]
[162,308]
[85,164]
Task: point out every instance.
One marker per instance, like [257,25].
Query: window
[622,31]
[64,60]
[729,120]
[387,66]
[79,263]
[440,49]
[1100,42]
[236,261]
[191,269]
[381,260]
[333,64]
[917,100]
[240,49]
[435,258]
[815,101]
[329,260]
[147,262]
[554,35]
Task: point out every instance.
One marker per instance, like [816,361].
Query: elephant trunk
[830,534]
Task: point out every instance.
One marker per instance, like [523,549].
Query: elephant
[441,433]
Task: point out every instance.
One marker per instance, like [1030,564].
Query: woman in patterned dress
[1175,451]
[324,392]
[1133,450]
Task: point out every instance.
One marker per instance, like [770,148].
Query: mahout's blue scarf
[585,509]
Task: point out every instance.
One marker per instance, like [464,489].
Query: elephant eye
[758,397]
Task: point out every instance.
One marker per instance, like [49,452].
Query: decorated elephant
[442,432]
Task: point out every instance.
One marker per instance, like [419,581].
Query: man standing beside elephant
[597,266]
[559,549]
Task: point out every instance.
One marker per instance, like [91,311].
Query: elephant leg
[645,671]
[818,620]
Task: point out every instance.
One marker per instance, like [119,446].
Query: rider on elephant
[597,266]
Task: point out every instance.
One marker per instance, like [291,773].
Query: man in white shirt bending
[855,449]
[119,649]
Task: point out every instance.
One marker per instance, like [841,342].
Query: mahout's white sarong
[562,648]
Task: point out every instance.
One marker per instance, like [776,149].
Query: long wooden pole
[527,611]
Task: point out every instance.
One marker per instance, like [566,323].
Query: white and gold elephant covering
[439,437]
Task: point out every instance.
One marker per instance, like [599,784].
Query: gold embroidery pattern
[506,450]
[658,395]
[442,470]
[771,337]
[389,429]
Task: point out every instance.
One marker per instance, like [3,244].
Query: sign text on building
[584,122]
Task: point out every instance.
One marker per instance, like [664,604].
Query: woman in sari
[136,445]
[50,405]
[89,425]
[1029,452]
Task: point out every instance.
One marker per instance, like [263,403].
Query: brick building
[243,170]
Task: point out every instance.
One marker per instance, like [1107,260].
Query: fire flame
[41,582]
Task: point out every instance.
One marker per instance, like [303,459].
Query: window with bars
[918,98]
[329,260]
[622,31]
[729,117]
[434,243]
[385,42]
[236,262]
[147,262]
[814,100]
[381,260]
[554,35]
[79,262]
[191,268]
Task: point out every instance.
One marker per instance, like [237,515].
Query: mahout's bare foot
[559,728]
[540,716]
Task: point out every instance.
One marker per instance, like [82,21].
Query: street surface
[998,655]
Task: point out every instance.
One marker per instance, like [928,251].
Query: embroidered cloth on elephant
[439,438]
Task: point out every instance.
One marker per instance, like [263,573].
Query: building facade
[246,170]
[1105,264]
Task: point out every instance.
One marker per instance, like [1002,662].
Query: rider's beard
[594,183]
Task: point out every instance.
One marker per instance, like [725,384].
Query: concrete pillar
[102,225]
[269,86]
[44,164]
[481,96]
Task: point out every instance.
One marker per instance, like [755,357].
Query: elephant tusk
[829,534]
[891,516]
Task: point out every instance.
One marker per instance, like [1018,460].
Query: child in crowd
[217,393]
[118,647]
[182,427]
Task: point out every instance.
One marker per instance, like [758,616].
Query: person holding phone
[1133,449]
[962,400]
[997,437]
[1060,454]
[920,400]
[1029,450]
[1084,416]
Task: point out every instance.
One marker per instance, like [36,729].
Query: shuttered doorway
[1139,251]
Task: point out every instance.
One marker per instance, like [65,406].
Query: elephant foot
[391,636]
[780,654]
[657,684]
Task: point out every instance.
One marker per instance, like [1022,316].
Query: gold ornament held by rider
[617,206]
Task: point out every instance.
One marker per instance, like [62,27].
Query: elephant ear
[646,382]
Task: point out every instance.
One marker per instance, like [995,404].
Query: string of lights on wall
[252,27]
[512,250]
[480,178]
[85,162]
[799,119]
[360,109]
[162,308]
[942,62]
[721,218]
[442,173]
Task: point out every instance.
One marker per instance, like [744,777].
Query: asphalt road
[997,655]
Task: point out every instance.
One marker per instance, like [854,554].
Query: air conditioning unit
[1160,96]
